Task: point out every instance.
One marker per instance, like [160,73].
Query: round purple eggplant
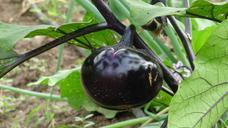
[121,78]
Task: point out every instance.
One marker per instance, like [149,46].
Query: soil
[22,111]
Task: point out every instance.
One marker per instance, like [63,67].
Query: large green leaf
[208,10]
[71,88]
[142,12]
[203,98]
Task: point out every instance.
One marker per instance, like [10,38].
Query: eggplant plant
[138,70]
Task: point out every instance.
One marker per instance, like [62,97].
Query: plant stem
[112,21]
[158,114]
[132,122]
[91,8]
[128,123]
[80,32]
[188,24]
[121,7]
[152,115]
[167,50]
[31,93]
[185,42]
[167,91]
[61,47]
[165,123]
[176,46]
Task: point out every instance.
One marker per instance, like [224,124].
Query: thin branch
[80,32]
[164,124]
[77,40]
[152,119]
[112,21]
[184,40]
[31,93]
[167,91]
[188,23]
[116,25]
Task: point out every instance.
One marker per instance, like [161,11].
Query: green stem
[60,56]
[151,42]
[92,9]
[128,123]
[188,23]
[166,49]
[157,115]
[176,45]
[145,120]
[121,7]
[31,93]
[61,47]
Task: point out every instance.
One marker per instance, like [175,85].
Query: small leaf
[7,57]
[71,88]
[142,12]
[162,98]
[54,79]
[11,33]
[200,24]
[203,98]
[199,38]
[208,10]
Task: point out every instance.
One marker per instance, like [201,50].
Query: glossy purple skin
[121,79]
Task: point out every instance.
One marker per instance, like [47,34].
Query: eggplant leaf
[203,98]
[71,88]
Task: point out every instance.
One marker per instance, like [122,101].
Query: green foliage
[142,12]
[54,79]
[162,99]
[208,10]
[203,98]
[200,38]
[200,24]
[116,9]
[71,88]
[11,33]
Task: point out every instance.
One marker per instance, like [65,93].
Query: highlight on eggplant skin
[121,79]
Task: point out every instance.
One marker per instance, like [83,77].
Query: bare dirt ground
[20,111]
